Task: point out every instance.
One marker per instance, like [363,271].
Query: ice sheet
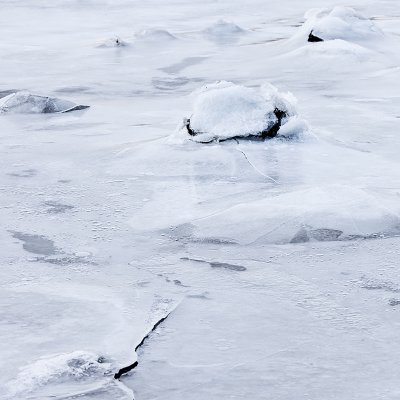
[278,258]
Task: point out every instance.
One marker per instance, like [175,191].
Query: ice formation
[225,111]
[339,23]
[25,102]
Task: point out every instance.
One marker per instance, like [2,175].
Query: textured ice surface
[279,259]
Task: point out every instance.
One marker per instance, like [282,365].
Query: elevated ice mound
[223,111]
[155,35]
[339,23]
[24,102]
[223,28]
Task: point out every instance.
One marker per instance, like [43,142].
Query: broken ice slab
[25,102]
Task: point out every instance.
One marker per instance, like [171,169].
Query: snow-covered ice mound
[339,23]
[155,35]
[223,28]
[25,102]
[223,111]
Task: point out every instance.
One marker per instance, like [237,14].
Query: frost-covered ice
[277,258]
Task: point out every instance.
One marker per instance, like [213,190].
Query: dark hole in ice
[312,38]
[57,208]
[321,235]
[394,302]
[232,267]
[36,244]
[26,173]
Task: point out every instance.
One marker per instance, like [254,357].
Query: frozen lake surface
[276,261]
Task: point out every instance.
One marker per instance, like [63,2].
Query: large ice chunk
[25,102]
[223,111]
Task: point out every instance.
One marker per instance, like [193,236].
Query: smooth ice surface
[278,259]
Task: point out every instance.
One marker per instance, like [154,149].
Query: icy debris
[113,42]
[223,28]
[78,365]
[339,23]
[225,111]
[25,102]
[156,35]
